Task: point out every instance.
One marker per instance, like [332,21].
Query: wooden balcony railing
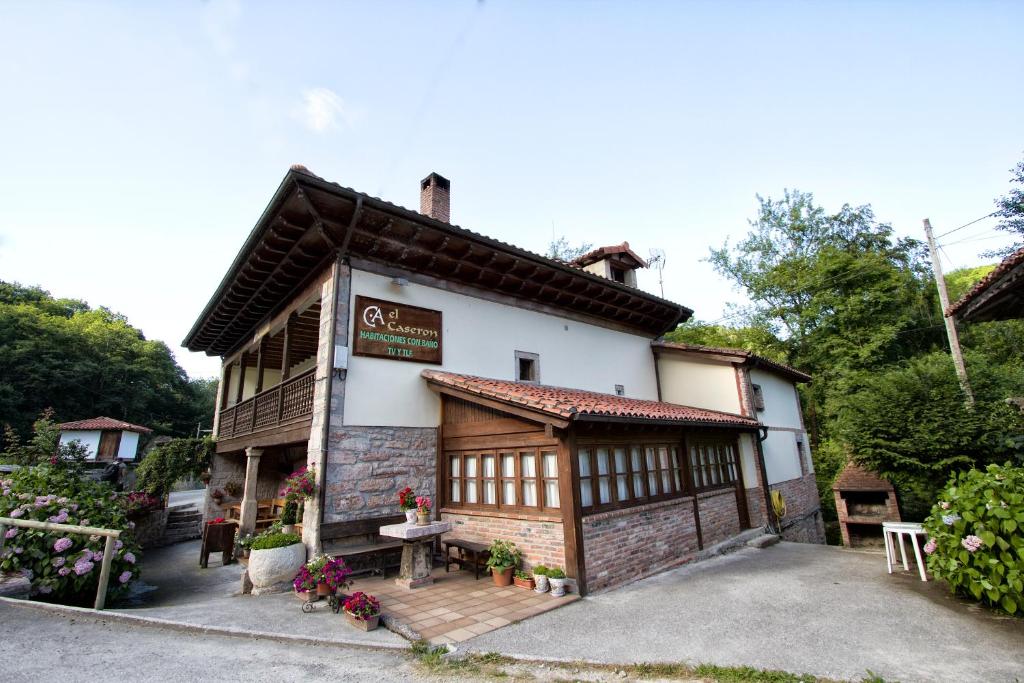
[283,404]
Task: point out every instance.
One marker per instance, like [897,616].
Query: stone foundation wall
[625,545]
[719,518]
[368,466]
[541,540]
[803,522]
[149,528]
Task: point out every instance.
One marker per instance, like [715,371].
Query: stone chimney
[435,197]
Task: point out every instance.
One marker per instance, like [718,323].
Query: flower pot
[502,576]
[308,596]
[367,624]
[323,590]
[287,528]
[542,584]
[526,583]
[557,587]
[410,516]
[276,565]
[422,518]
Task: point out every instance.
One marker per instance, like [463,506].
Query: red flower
[218,520]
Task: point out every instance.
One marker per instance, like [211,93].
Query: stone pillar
[247,523]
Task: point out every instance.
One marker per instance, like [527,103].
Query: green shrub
[65,568]
[174,460]
[275,541]
[976,536]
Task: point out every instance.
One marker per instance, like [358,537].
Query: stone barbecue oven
[863,502]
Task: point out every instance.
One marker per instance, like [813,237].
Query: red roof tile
[746,356]
[101,423]
[1014,259]
[574,404]
[856,478]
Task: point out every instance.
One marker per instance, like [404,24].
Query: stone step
[185,518]
[763,541]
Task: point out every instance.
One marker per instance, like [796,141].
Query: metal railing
[108,548]
[283,403]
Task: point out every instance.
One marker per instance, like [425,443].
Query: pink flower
[59,518]
[129,558]
[17,512]
[944,505]
[59,561]
[118,544]
[125,577]
[63,544]
[972,543]
[83,567]
[930,546]
[11,533]
[63,571]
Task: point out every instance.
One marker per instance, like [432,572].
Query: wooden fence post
[108,555]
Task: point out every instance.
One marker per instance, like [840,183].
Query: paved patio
[458,607]
[800,608]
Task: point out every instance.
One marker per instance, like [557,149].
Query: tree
[86,362]
[1010,209]
[754,339]
[560,250]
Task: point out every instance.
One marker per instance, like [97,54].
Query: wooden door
[109,443]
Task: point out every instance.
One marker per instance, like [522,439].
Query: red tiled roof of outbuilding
[101,423]
[575,404]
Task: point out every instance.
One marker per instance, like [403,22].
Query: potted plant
[540,576]
[407,503]
[322,576]
[233,489]
[557,578]
[422,510]
[523,579]
[288,517]
[217,495]
[362,611]
[243,545]
[503,560]
[275,559]
[299,485]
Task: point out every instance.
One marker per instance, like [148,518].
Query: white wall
[781,407]
[129,445]
[89,439]
[698,383]
[480,338]
[780,456]
[748,461]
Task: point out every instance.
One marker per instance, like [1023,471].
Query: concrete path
[799,608]
[210,598]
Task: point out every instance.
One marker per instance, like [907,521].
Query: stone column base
[417,562]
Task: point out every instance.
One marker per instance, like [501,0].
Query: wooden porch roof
[309,221]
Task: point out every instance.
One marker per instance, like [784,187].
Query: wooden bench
[479,554]
[375,553]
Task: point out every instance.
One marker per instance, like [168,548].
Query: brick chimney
[435,197]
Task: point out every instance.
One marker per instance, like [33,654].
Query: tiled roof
[101,423]
[1011,261]
[746,356]
[574,404]
[856,478]
[601,252]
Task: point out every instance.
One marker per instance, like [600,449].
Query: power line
[976,220]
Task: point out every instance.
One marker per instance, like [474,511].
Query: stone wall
[275,466]
[541,540]
[149,528]
[368,466]
[621,546]
[803,522]
[719,518]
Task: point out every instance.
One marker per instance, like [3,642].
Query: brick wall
[368,466]
[625,545]
[541,540]
[803,522]
[756,507]
[719,518]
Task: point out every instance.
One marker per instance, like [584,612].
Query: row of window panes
[475,479]
[713,464]
[628,474]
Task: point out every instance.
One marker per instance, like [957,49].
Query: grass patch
[746,674]
[432,659]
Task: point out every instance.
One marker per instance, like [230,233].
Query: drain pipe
[769,509]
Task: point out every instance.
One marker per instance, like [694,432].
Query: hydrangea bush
[976,536]
[65,567]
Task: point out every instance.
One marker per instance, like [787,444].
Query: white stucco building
[104,438]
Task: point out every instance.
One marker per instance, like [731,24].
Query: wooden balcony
[279,415]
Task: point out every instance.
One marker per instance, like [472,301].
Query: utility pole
[954,338]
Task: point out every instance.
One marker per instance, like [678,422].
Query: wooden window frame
[703,468]
[677,488]
[499,505]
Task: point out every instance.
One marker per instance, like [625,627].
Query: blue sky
[140,142]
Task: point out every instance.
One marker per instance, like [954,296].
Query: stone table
[417,551]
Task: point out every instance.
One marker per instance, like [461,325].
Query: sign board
[385,329]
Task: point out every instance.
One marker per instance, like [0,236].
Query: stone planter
[367,624]
[542,583]
[277,567]
[557,587]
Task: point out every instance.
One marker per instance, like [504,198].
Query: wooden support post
[954,339]
[242,361]
[259,365]
[101,590]
[286,348]
[226,386]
